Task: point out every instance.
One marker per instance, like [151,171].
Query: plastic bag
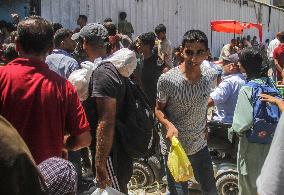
[124,60]
[80,78]
[178,163]
[107,191]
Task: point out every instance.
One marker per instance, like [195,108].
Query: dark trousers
[75,158]
[203,171]
[119,167]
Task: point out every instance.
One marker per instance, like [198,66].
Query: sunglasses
[230,63]
[199,53]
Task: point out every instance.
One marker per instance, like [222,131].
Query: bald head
[35,35]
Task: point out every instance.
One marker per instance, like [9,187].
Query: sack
[80,79]
[107,191]
[124,61]
[178,163]
[265,115]
[138,128]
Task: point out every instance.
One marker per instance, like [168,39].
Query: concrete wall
[178,15]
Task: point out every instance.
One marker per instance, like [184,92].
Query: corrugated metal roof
[178,15]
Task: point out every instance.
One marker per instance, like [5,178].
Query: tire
[142,176]
[227,184]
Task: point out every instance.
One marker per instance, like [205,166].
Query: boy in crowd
[164,46]
[125,27]
[181,108]
[150,71]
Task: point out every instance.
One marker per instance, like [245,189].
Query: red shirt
[278,54]
[41,105]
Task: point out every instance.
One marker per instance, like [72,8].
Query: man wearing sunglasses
[182,96]
[225,96]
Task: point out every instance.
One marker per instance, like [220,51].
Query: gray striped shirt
[186,105]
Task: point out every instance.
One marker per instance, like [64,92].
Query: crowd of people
[47,129]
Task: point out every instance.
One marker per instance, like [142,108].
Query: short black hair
[148,39]
[84,17]
[107,20]
[35,35]
[233,40]
[60,35]
[160,28]
[111,28]
[56,26]
[193,36]
[254,62]
[281,37]
[9,52]
[122,15]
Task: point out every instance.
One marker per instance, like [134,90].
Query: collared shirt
[41,105]
[62,62]
[225,97]
[186,105]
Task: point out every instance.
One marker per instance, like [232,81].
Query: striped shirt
[186,105]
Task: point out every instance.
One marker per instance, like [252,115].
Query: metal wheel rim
[230,188]
[140,177]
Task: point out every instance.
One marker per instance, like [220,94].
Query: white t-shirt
[272,45]
[271,178]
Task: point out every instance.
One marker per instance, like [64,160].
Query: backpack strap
[252,84]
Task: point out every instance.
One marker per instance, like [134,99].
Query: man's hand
[102,178]
[278,102]
[172,131]
[269,98]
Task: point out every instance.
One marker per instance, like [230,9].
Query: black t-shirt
[150,73]
[105,82]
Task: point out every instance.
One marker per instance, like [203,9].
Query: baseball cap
[234,58]
[95,30]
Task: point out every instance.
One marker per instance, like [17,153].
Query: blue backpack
[265,115]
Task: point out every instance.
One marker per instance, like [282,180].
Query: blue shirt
[225,97]
[62,62]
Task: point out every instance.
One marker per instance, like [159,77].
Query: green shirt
[251,156]
[125,28]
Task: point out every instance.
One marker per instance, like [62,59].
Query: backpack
[138,129]
[265,115]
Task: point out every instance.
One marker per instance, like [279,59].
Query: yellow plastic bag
[178,163]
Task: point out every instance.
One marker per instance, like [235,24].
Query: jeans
[203,171]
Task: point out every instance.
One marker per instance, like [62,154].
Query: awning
[234,26]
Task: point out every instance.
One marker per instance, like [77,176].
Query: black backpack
[137,129]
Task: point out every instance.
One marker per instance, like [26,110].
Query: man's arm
[105,132]
[159,111]
[278,67]
[210,102]
[78,142]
